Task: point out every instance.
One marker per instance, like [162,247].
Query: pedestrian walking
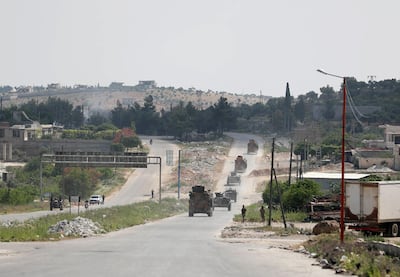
[243,213]
[152,193]
[262,214]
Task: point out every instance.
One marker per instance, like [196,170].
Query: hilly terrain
[105,99]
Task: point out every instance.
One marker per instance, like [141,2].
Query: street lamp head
[329,74]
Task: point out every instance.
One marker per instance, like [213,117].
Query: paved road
[137,188]
[177,246]
[139,185]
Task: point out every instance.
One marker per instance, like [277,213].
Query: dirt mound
[260,172]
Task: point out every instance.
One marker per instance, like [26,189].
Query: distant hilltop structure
[105,98]
[141,86]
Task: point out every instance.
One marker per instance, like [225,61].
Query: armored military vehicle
[221,201]
[231,194]
[240,164]
[252,147]
[56,203]
[233,179]
[200,201]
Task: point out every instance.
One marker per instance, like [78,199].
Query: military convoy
[233,179]
[200,201]
[221,201]
[231,194]
[252,147]
[56,203]
[240,164]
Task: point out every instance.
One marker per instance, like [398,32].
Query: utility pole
[179,173]
[270,182]
[290,163]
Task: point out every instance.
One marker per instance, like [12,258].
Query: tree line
[278,115]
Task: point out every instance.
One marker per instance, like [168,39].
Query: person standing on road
[262,214]
[243,213]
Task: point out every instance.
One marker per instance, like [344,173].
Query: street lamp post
[343,153]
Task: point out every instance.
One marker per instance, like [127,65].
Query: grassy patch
[31,207]
[253,215]
[111,219]
[355,255]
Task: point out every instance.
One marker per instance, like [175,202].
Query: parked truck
[200,201]
[373,207]
[252,147]
[240,164]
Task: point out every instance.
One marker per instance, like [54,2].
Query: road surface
[137,188]
[176,246]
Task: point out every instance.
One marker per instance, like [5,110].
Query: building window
[16,133]
[2,133]
[397,140]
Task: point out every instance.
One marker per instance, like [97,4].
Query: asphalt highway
[176,246]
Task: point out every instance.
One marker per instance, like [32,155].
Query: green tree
[300,110]
[181,120]
[287,120]
[223,115]
[97,119]
[77,181]
[77,117]
[299,194]
[131,141]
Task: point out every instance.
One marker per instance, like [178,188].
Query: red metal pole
[343,158]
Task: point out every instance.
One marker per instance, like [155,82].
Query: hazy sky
[235,46]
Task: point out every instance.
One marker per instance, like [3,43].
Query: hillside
[105,99]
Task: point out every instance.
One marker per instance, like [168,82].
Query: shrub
[18,195]
[295,196]
[299,194]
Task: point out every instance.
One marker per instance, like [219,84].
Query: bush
[299,194]
[275,195]
[295,196]
[131,142]
[18,196]
[117,147]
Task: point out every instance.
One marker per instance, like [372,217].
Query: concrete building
[326,180]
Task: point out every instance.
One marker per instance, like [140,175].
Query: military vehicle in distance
[231,194]
[252,147]
[200,201]
[221,201]
[56,203]
[240,164]
[233,179]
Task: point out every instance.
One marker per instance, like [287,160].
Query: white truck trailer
[373,207]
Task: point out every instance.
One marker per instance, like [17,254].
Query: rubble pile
[9,223]
[201,161]
[80,226]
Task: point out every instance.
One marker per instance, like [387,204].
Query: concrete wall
[365,163]
[35,148]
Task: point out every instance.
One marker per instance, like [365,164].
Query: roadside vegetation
[253,215]
[22,192]
[357,256]
[110,219]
